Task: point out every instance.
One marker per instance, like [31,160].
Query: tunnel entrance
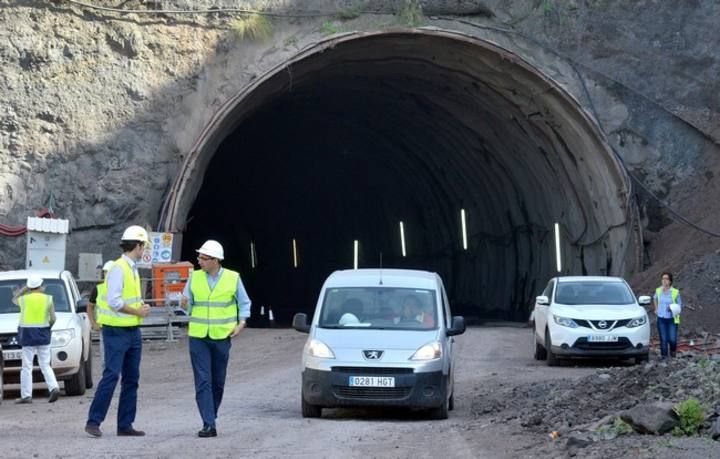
[358,134]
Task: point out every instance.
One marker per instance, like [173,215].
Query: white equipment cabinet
[46,240]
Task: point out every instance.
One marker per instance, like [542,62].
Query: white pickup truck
[71,355]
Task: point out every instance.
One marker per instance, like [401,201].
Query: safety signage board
[159,250]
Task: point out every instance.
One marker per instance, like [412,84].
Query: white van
[379,337]
[71,356]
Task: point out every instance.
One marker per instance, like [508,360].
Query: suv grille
[609,324]
[585,345]
[6,339]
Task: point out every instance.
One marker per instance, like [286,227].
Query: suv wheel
[552,360]
[88,371]
[540,351]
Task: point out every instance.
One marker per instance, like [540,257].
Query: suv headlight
[62,338]
[565,322]
[638,321]
[430,351]
[320,350]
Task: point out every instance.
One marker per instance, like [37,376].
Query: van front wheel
[308,410]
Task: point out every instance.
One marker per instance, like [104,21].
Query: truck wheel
[552,360]
[76,384]
[88,371]
[308,410]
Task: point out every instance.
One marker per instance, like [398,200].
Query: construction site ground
[506,406]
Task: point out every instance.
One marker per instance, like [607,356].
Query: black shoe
[130,432]
[54,394]
[207,431]
[93,431]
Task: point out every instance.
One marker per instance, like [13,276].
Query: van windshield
[52,287]
[379,308]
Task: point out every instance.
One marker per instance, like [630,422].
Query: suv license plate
[12,355]
[603,338]
[372,381]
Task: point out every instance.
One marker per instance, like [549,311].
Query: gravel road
[260,415]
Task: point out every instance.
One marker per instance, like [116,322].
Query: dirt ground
[260,416]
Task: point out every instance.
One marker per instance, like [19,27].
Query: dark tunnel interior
[408,129]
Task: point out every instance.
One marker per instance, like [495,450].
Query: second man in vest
[218,306]
[120,318]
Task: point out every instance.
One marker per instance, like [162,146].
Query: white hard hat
[348,318]
[212,249]
[675,309]
[108,266]
[34,281]
[135,233]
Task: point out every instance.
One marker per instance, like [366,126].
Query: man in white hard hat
[99,295]
[120,320]
[218,306]
[37,316]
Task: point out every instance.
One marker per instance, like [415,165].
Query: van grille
[372,393]
[363,371]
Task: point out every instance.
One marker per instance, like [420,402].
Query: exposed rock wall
[99,108]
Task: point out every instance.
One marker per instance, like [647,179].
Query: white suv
[71,356]
[590,316]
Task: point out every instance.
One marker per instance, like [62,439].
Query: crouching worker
[37,316]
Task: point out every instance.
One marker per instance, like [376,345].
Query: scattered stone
[655,418]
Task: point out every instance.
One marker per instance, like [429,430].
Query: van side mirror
[81,305]
[644,300]
[300,323]
[458,326]
[542,300]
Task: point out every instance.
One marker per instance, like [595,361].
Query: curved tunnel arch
[362,131]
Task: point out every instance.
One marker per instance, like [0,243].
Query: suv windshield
[379,308]
[596,292]
[53,287]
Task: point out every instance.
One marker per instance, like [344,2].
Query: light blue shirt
[115,280]
[664,303]
[241,296]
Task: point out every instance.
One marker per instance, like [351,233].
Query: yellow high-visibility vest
[34,310]
[131,296]
[214,311]
[674,293]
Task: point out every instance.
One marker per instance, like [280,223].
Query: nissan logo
[602,324]
[373,355]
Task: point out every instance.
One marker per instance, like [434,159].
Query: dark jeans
[209,360]
[668,330]
[123,348]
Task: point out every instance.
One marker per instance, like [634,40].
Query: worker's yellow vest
[131,296]
[214,311]
[674,293]
[102,300]
[34,310]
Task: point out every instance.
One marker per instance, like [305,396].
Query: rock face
[100,109]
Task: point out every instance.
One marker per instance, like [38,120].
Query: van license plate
[12,355]
[372,381]
[603,338]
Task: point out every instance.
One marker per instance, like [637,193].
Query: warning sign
[159,250]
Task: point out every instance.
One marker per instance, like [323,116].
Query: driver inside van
[413,310]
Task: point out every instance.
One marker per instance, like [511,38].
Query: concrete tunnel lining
[444,121]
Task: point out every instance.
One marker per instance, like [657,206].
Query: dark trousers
[668,330]
[122,348]
[209,358]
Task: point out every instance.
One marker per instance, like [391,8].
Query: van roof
[411,278]
[24,273]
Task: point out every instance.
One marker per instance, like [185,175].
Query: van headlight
[565,322]
[62,338]
[320,350]
[637,322]
[430,351]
